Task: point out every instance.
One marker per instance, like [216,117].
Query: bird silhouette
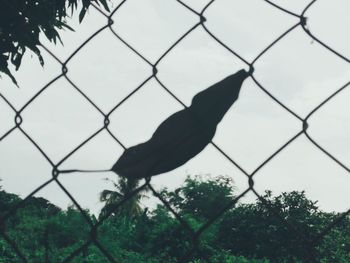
[182,135]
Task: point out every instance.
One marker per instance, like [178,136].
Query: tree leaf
[4,68]
[105,5]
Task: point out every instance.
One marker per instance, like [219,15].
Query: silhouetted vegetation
[246,233]
[22,22]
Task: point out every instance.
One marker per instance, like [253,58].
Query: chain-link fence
[195,234]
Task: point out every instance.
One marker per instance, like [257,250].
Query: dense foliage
[22,22]
[246,233]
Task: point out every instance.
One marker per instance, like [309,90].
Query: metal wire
[195,234]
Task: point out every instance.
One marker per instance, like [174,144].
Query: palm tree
[131,208]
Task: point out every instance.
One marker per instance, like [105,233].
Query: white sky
[298,71]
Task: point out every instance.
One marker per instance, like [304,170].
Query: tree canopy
[22,22]
[246,233]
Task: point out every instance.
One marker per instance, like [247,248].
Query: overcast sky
[298,71]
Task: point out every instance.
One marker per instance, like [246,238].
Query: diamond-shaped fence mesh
[195,235]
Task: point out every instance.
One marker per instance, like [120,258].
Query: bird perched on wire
[182,135]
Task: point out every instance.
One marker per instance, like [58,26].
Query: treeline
[246,233]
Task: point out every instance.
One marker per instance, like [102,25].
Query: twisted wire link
[195,234]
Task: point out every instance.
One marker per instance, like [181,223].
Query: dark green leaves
[4,68]
[22,21]
[105,5]
[86,4]
[246,233]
